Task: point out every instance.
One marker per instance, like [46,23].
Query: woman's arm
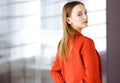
[56,71]
[91,63]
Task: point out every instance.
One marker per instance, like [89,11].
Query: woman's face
[78,18]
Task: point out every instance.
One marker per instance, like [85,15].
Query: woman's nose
[85,16]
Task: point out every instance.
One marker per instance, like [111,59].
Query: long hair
[63,47]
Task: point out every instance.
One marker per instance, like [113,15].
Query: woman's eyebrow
[81,11]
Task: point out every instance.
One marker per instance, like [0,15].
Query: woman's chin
[85,26]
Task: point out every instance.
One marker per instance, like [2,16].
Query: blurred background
[30,31]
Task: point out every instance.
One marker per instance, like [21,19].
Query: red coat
[84,66]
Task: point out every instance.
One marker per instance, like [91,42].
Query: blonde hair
[68,31]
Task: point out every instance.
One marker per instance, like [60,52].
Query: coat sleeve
[56,71]
[91,61]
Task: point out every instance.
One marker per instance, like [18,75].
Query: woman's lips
[85,22]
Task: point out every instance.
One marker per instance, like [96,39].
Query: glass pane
[30,32]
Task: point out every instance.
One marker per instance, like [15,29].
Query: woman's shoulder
[85,38]
[87,41]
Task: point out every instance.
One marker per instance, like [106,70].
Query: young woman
[77,60]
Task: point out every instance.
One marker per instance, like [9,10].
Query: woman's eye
[85,13]
[79,14]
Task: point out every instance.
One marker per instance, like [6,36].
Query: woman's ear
[68,20]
